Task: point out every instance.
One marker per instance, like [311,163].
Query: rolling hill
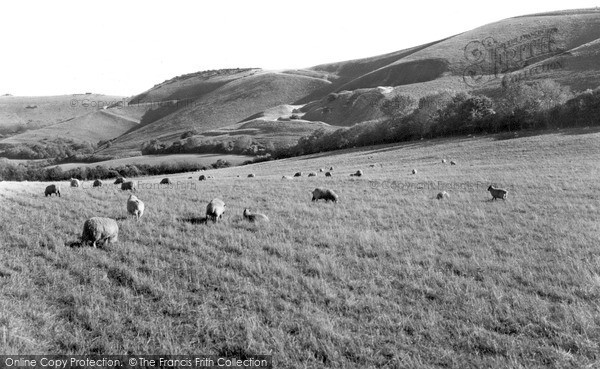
[563,46]
[24,113]
[92,127]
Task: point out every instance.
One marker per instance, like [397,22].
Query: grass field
[200,159]
[387,277]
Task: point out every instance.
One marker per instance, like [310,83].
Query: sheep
[321,170]
[286,177]
[298,174]
[52,189]
[255,217]
[443,195]
[312,174]
[75,182]
[202,177]
[251,175]
[328,174]
[166,181]
[128,186]
[414,171]
[331,168]
[452,162]
[135,206]
[497,193]
[324,193]
[357,174]
[215,210]
[98,229]
[443,161]
[210,177]
[97,183]
[119,180]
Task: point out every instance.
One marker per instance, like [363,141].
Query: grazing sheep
[443,195]
[101,230]
[497,193]
[255,217]
[298,174]
[327,174]
[52,189]
[210,177]
[324,193]
[452,162]
[443,161]
[215,210]
[128,186]
[119,180]
[357,174]
[135,206]
[166,181]
[75,182]
[414,171]
[286,177]
[202,177]
[312,174]
[331,168]
[251,175]
[321,170]
[97,183]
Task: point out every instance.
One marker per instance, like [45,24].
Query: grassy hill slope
[387,277]
[21,113]
[222,107]
[91,127]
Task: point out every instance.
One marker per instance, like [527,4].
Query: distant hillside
[191,86]
[91,127]
[19,113]
[563,46]
[227,105]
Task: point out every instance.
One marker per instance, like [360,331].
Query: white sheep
[443,161]
[325,194]
[357,174]
[101,230]
[215,210]
[452,162]
[298,174]
[75,182]
[328,174]
[166,181]
[251,175]
[119,180]
[498,193]
[312,174]
[414,171]
[97,183]
[255,217]
[135,206]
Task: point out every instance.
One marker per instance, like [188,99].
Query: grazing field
[387,277]
[200,159]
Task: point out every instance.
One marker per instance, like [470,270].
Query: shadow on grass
[194,220]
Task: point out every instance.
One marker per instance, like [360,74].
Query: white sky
[126,47]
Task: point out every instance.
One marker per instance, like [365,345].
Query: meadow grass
[387,277]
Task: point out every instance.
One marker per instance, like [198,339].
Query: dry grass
[387,277]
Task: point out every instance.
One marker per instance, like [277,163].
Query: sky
[125,47]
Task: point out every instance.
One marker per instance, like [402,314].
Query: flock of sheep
[102,230]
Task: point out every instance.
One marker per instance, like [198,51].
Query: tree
[398,106]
